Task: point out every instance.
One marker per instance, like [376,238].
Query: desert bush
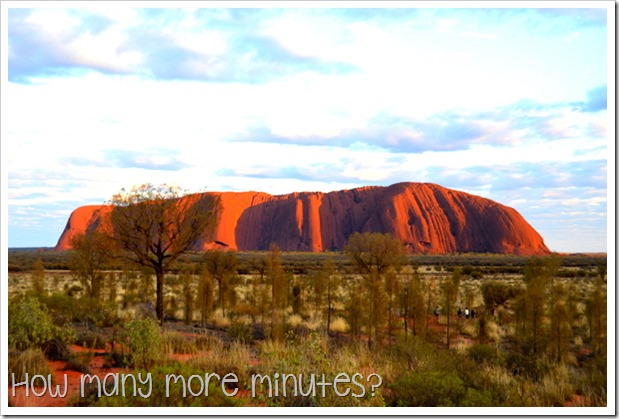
[555,387]
[313,353]
[592,381]
[497,293]
[57,349]
[530,366]
[89,339]
[294,321]
[240,332]
[31,325]
[428,388]
[31,361]
[478,398]
[484,354]
[175,343]
[62,307]
[144,342]
[206,343]
[80,362]
[66,309]
[74,291]
[472,272]
[236,359]
[417,354]
[219,319]
[339,325]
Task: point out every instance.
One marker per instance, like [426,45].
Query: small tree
[355,306]
[324,287]
[91,250]
[261,265]
[414,305]
[188,296]
[539,274]
[495,294]
[430,287]
[206,295]
[38,277]
[596,313]
[329,270]
[560,325]
[112,289]
[277,279]
[373,255]
[451,288]
[221,265]
[154,225]
[393,291]
[319,284]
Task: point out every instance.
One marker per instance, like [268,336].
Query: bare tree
[154,225]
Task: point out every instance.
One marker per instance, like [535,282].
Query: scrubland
[538,337]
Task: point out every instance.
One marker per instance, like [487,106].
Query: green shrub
[240,332]
[65,309]
[61,307]
[31,325]
[89,339]
[478,398]
[144,342]
[527,365]
[484,354]
[428,388]
[476,275]
[495,293]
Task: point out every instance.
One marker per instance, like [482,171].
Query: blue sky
[509,103]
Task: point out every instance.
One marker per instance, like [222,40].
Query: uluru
[426,217]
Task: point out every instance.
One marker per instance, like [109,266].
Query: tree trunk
[159,305]
[448,324]
[329,306]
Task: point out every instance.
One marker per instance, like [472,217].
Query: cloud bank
[507,103]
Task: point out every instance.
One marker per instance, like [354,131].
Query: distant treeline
[475,264]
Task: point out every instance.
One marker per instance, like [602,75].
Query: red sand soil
[59,371]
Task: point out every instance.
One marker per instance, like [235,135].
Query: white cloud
[479,35]
[392,83]
[54,22]
[105,50]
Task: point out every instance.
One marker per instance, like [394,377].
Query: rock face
[426,217]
